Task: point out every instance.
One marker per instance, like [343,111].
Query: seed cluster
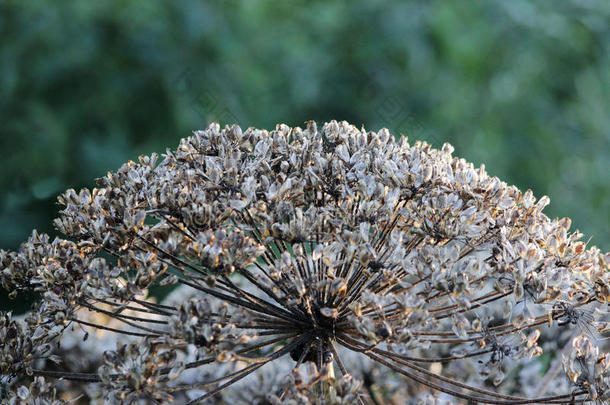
[306,264]
[39,392]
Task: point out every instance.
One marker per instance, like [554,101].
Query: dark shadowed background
[521,86]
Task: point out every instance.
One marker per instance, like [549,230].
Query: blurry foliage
[521,86]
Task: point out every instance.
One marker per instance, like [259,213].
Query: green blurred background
[521,86]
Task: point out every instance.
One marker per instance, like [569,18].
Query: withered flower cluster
[330,266]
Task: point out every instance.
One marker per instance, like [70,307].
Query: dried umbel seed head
[140,370]
[310,247]
[20,347]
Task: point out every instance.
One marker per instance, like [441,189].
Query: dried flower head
[304,245]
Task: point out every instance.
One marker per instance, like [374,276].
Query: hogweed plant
[331,266]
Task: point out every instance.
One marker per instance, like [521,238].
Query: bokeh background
[521,86]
